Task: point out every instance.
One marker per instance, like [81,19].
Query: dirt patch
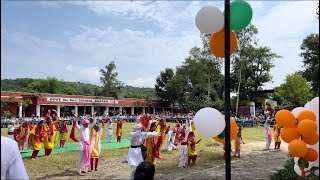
[255,163]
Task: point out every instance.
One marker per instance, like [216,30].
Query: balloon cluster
[210,20]
[301,132]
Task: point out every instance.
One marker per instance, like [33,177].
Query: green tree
[310,55]
[255,70]
[162,84]
[111,85]
[295,91]
[70,90]
[8,101]
[245,38]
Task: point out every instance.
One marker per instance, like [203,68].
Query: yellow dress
[163,136]
[150,157]
[276,136]
[193,128]
[48,141]
[95,152]
[191,152]
[34,144]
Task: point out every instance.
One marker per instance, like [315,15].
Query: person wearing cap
[137,150]
[12,166]
[11,128]
[84,145]
[36,138]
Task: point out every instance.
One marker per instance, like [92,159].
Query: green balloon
[240,15]
[222,135]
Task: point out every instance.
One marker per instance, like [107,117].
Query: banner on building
[79,100]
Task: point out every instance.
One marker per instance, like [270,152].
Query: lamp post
[227,87]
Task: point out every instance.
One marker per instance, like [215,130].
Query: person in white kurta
[137,138]
[170,140]
[84,145]
[183,145]
[12,166]
[109,131]
[268,133]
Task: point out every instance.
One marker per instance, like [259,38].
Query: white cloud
[91,74]
[48,4]
[69,68]
[142,82]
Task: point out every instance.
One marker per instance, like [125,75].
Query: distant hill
[56,86]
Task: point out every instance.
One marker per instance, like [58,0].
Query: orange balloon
[311,155]
[306,114]
[298,148]
[233,131]
[217,43]
[285,118]
[307,128]
[289,134]
[311,140]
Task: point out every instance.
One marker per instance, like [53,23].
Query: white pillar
[107,111]
[132,110]
[20,111]
[120,109]
[76,110]
[153,110]
[143,110]
[38,110]
[84,110]
[92,110]
[58,110]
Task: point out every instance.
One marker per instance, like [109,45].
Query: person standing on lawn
[276,134]
[238,142]
[119,130]
[48,140]
[36,138]
[95,142]
[183,138]
[192,153]
[63,132]
[268,133]
[84,146]
[110,130]
[137,152]
[22,134]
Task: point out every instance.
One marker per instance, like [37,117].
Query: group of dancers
[148,136]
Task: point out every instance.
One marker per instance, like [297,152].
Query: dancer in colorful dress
[63,132]
[95,142]
[119,130]
[84,146]
[109,130]
[268,133]
[151,144]
[22,134]
[11,127]
[175,134]
[276,134]
[192,153]
[183,138]
[48,140]
[36,138]
[238,142]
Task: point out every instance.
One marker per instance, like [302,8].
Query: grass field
[66,163]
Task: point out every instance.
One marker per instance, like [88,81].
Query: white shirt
[85,132]
[11,128]
[137,138]
[12,166]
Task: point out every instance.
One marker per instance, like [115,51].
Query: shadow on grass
[67,173]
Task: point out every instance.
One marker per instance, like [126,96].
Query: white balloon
[297,169]
[308,105]
[297,110]
[209,19]
[314,105]
[295,159]
[209,122]
[316,172]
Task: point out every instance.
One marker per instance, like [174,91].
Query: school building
[66,105]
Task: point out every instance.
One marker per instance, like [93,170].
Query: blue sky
[72,40]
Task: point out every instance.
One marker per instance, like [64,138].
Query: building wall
[11,107]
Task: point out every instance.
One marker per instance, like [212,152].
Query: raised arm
[146,135]
[75,122]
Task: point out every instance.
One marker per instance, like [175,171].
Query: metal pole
[227,86]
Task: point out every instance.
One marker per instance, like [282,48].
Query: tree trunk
[238,94]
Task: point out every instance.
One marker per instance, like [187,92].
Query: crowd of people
[147,137]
